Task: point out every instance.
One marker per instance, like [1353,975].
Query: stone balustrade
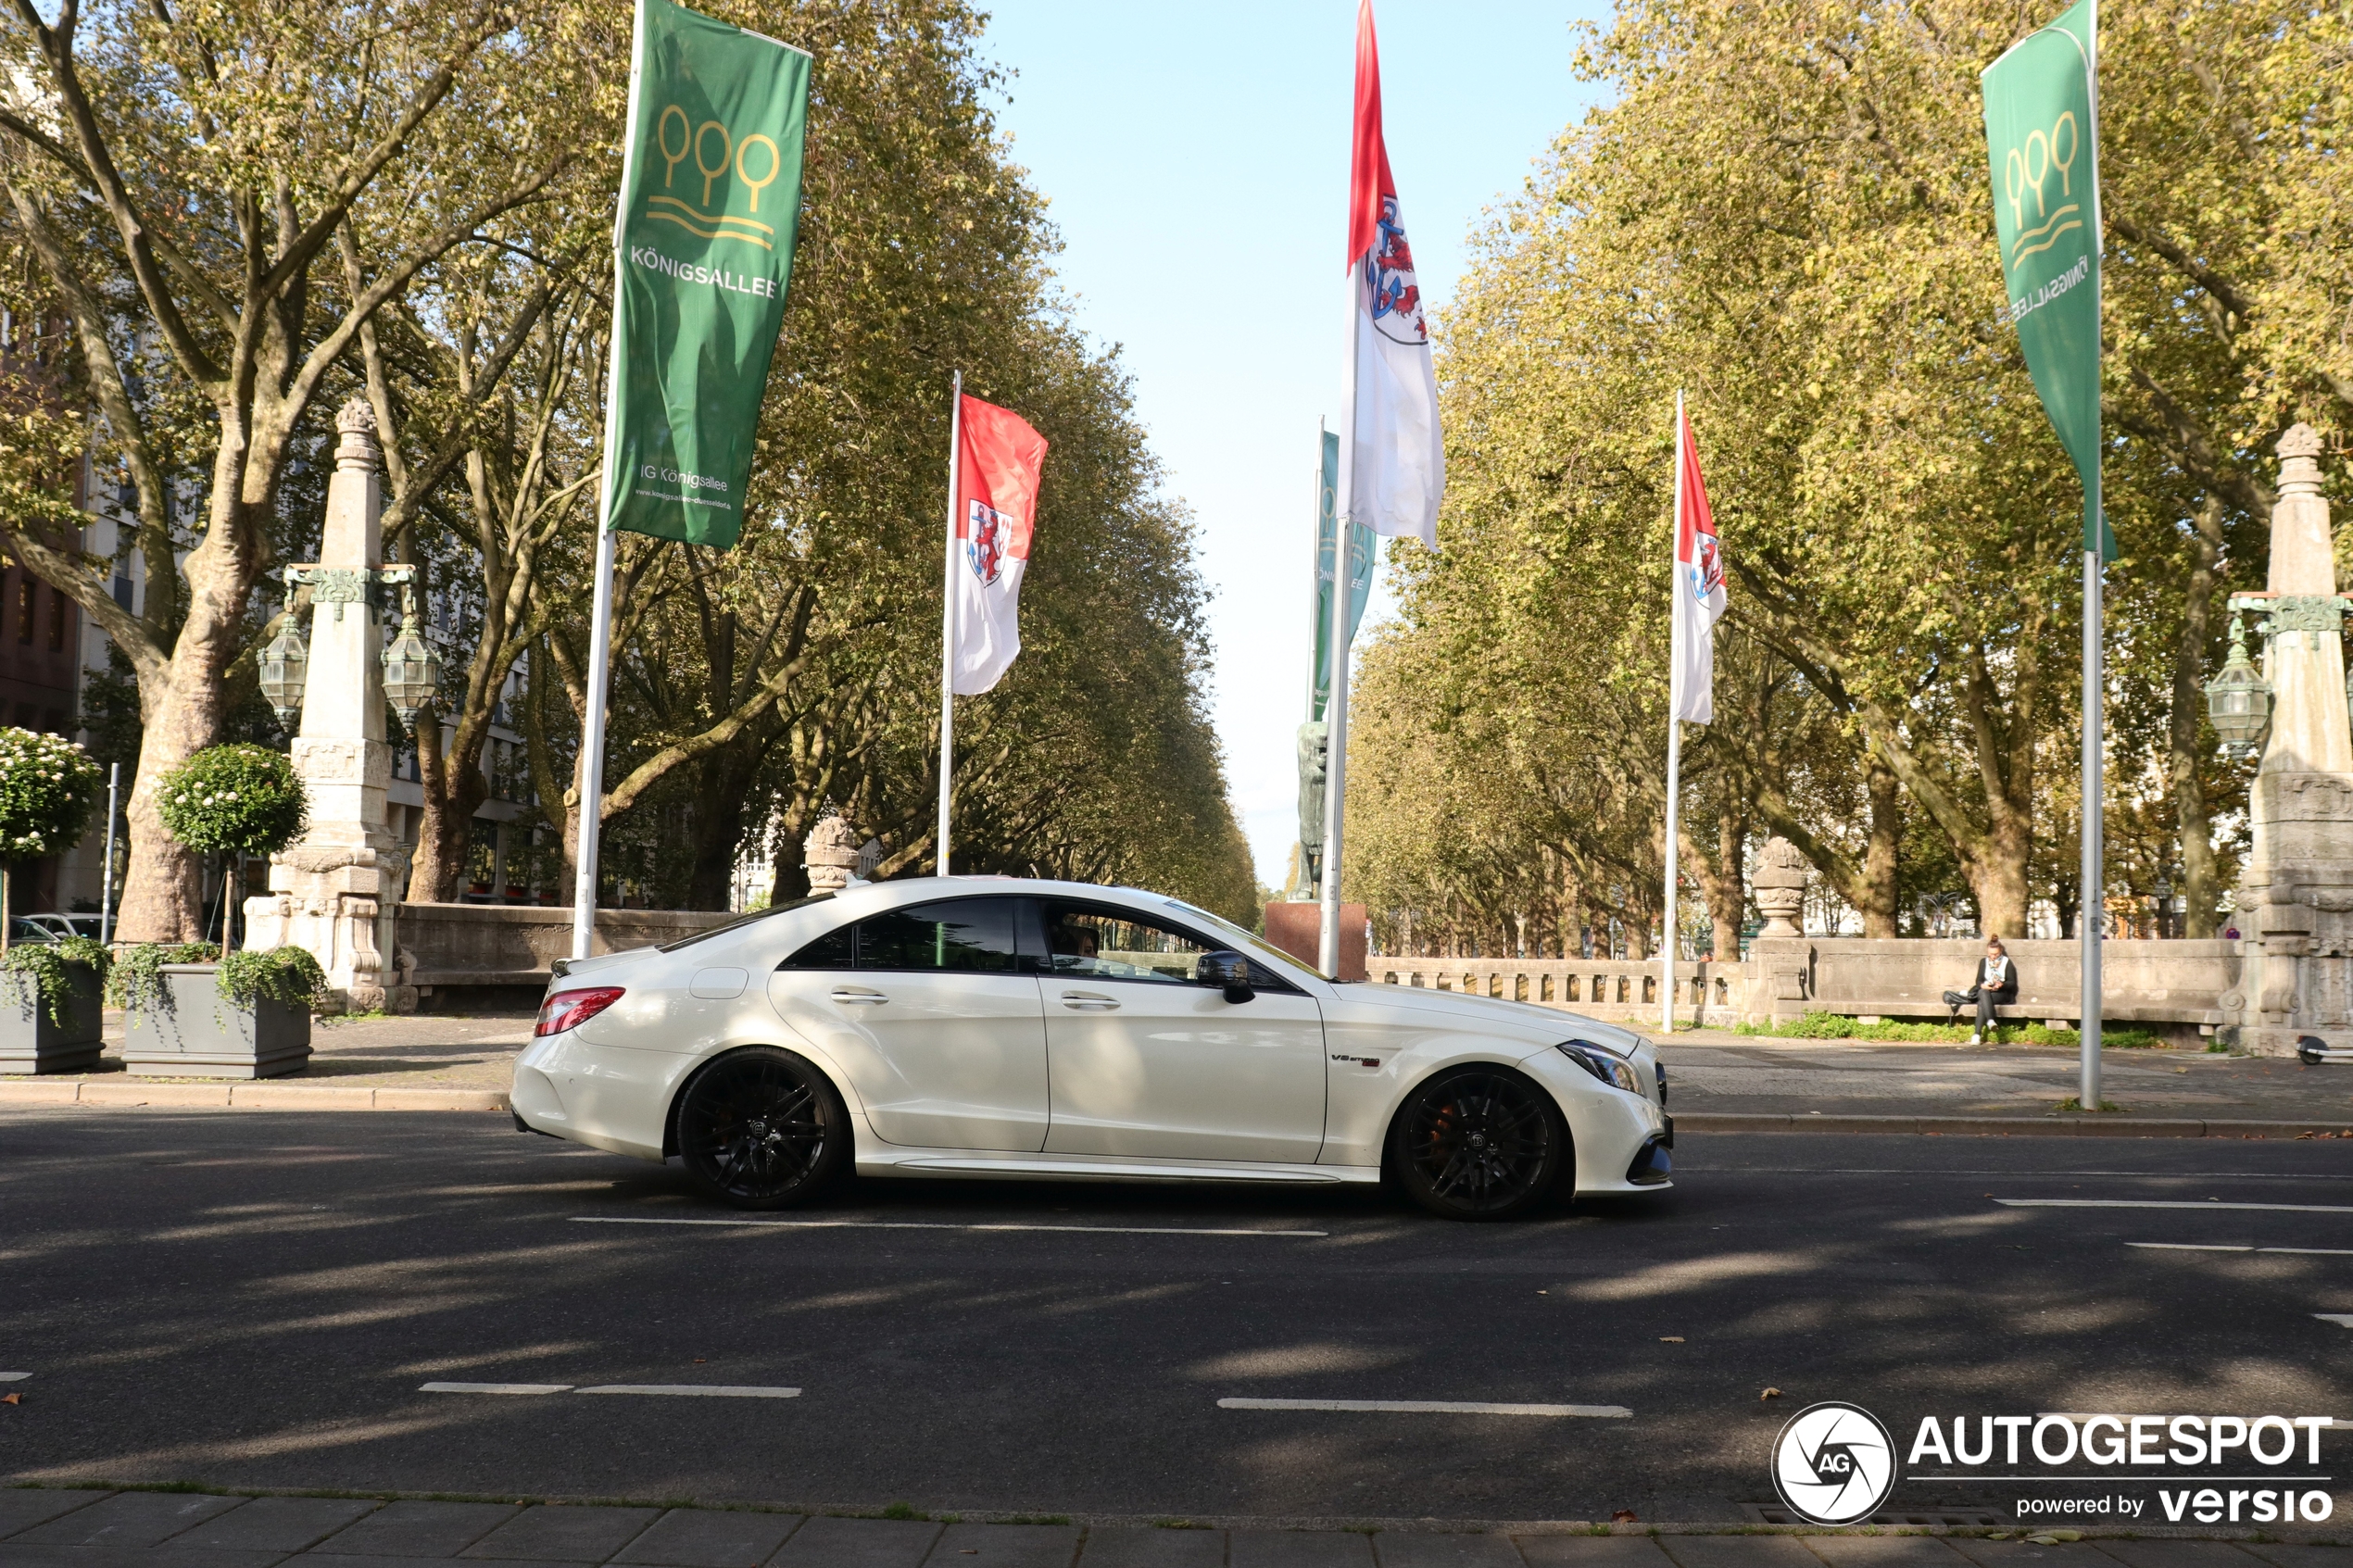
[2190,987]
[470,947]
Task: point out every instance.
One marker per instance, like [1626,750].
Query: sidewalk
[130,1529]
[1718,1082]
[1715,1073]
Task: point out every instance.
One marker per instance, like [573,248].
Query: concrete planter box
[31,1041]
[197,1035]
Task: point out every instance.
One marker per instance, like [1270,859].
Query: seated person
[1075,948]
[1996,985]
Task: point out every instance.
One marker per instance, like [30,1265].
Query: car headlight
[1603,1063]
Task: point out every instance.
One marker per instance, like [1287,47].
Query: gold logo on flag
[2021,173]
[695,142]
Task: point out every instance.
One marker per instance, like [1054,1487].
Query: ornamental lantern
[412,670]
[285,666]
[2238,701]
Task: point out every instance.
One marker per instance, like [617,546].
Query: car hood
[1542,1025]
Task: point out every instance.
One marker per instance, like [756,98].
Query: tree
[235,801]
[188,180]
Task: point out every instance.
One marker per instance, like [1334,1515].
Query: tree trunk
[1878,885]
[1727,891]
[2198,890]
[163,892]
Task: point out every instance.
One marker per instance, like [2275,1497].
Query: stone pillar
[334,891]
[830,853]
[2296,897]
[1779,956]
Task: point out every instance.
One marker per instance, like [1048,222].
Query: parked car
[977,1026]
[50,927]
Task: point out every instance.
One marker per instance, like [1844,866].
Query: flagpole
[1336,703]
[2091,903]
[948,617]
[592,748]
[1674,724]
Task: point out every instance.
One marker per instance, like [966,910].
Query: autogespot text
[2055,1449]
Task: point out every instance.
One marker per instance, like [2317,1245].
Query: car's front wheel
[1478,1143]
[761,1129]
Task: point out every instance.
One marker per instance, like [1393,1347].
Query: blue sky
[1196,159]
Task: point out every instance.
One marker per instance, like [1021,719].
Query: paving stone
[127,1519]
[2302,1556]
[566,1533]
[2178,1554]
[276,1523]
[1886,1551]
[2019,1554]
[355,1559]
[1301,1548]
[22,1508]
[1403,1549]
[13,1555]
[1006,1546]
[418,1529]
[710,1537]
[858,1543]
[1144,1546]
[1738,1551]
[1592,1551]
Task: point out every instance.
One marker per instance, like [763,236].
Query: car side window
[973,935]
[1090,942]
[834,949]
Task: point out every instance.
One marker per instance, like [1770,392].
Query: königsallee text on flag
[2042,143]
[710,206]
[1362,548]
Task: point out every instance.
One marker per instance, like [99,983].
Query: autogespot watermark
[1834,1463]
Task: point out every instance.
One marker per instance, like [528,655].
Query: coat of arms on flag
[984,540]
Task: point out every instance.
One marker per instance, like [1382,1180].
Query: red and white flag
[998,460]
[1393,468]
[1698,583]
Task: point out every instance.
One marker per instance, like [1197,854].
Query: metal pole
[2090,903]
[105,882]
[948,615]
[1674,724]
[592,750]
[1336,705]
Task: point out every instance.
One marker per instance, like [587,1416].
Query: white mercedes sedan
[985,1026]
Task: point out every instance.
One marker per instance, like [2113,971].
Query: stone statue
[1780,889]
[1313,751]
[830,853]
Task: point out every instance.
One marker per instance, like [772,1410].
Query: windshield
[724,928]
[1257,944]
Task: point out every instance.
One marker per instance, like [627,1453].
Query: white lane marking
[703,1390]
[2341,1320]
[2168,1204]
[922,1226]
[493,1387]
[2185,1246]
[14,1376]
[1427,1407]
[2314,1251]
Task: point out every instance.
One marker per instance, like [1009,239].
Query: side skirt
[1094,1168]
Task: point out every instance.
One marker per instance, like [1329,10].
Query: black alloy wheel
[1478,1143]
[761,1129]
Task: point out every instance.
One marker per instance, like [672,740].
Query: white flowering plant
[234,800]
[48,790]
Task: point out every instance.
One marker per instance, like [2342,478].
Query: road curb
[2109,1127]
[124,1093]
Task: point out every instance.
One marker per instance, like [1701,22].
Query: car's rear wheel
[1478,1143]
[761,1129]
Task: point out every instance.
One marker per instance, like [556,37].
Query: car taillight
[570,1009]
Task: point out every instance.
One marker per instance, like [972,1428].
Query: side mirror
[1225,969]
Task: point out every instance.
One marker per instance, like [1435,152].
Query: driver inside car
[1074,949]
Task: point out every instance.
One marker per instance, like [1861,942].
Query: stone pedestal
[2296,898]
[333,892]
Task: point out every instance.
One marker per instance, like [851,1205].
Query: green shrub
[284,974]
[1820,1026]
[48,788]
[234,800]
[52,968]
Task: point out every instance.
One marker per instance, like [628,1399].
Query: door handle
[859,997]
[1088,1001]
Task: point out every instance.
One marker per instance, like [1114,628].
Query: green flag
[702,242]
[2041,136]
[1360,575]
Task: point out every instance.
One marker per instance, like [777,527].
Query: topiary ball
[234,800]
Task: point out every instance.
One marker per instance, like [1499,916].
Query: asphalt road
[254,1300]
